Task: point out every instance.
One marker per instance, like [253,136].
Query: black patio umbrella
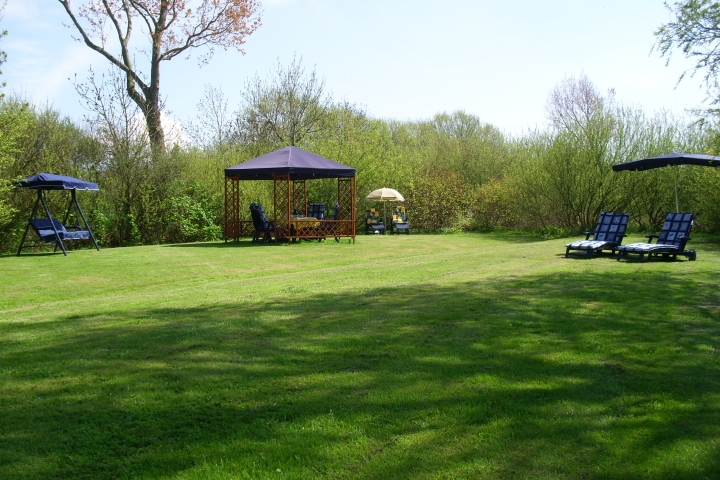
[669,160]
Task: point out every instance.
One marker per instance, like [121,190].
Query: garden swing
[51,230]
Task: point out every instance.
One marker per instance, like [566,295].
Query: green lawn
[421,356]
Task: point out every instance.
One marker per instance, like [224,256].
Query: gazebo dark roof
[298,163]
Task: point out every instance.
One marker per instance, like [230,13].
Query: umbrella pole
[385,214]
[677,203]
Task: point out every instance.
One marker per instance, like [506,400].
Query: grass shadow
[218,244]
[575,374]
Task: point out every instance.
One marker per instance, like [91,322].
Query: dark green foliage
[438,200]
[193,216]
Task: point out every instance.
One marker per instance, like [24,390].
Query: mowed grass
[456,356]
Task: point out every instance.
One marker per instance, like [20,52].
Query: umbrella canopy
[385,195]
[49,181]
[669,160]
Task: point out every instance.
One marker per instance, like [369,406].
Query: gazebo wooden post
[354,211]
[346,199]
[232,208]
[281,199]
[225,224]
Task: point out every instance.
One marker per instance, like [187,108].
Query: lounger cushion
[590,245]
[648,247]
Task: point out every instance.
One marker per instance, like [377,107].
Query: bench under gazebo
[289,168]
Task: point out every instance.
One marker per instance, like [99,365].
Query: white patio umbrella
[385,195]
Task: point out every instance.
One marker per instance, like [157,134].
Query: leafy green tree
[15,121]
[563,177]
[579,180]
[478,151]
[438,199]
[695,31]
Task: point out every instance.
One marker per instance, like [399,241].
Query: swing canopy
[49,181]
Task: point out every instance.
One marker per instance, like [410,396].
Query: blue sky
[399,59]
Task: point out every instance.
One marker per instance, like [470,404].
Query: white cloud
[174,131]
[20,10]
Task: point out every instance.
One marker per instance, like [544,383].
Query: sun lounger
[670,242]
[608,235]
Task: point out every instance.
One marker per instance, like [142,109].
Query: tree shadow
[219,244]
[31,254]
[564,373]
[511,237]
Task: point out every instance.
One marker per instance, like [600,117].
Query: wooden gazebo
[289,168]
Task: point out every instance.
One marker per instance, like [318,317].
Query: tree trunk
[155,129]
[152,93]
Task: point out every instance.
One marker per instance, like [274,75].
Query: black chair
[316,210]
[260,222]
[608,235]
[374,222]
[400,222]
[670,242]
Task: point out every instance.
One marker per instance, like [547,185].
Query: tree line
[456,172]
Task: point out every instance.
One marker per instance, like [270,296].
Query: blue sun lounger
[670,242]
[608,235]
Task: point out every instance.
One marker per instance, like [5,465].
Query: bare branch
[172,27]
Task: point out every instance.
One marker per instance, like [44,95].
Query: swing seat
[44,230]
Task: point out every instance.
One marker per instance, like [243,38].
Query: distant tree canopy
[172,27]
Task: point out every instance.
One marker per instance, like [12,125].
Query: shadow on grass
[244,244]
[48,252]
[569,376]
[512,237]
[31,254]
[220,244]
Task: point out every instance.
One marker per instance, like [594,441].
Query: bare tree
[214,125]
[172,27]
[283,110]
[116,123]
